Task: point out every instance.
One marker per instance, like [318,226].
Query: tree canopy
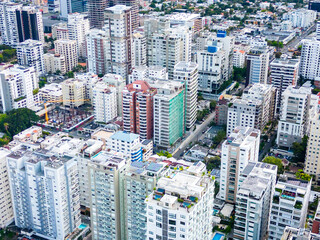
[299,149]
[274,161]
[213,162]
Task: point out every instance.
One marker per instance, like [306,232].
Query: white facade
[310,59]
[239,58]
[17,85]
[240,148]
[312,165]
[54,63]
[289,206]
[104,102]
[68,48]
[6,213]
[151,72]
[30,53]
[73,92]
[294,116]
[188,216]
[258,65]
[301,18]
[45,193]
[78,28]
[140,49]
[187,72]
[254,199]
[51,92]
[8,23]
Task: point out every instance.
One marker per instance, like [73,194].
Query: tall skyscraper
[181,205]
[168,112]
[137,102]
[187,72]
[45,192]
[72,6]
[289,205]
[283,73]
[240,148]
[78,28]
[254,199]
[30,53]
[312,160]
[17,85]
[119,32]
[294,116]
[310,59]
[67,48]
[29,24]
[140,49]
[8,23]
[134,6]
[96,12]
[257,65]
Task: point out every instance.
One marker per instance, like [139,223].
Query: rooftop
[242,135]
[124,136]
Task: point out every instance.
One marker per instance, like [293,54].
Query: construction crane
[57,101]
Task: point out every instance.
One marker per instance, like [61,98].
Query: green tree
[299,150]
[219,137]
[274,161]
[70,74]
[213,162]
[213,105]
[303,176]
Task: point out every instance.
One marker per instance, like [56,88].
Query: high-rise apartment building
[257,65]
[45,192]
[8,23]
[289,205]
[168,112]
[96,12]
[181,205]
[240,148]
[104,102]
[139,49]
[119,83]
[119,33]
[294,116]
[134,8]
[137,108]
[97,45]
[78,28]
[312,157]
[73,92]
[29,24]
[283,73]
[54,63]
[187,72]
[301,18]
[139,181]
[106,199]
[310,59]
[245,113]
[17,85]
[254,198]
[67,48]
[30,53]
[127,143]
[72,6]
[6,214]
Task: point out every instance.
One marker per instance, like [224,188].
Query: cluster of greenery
[164,153]
[274,161]
[303,176]
[219,137]
[213,163]
[239,74]
[49,40]
[202,114]
[78,68]
[299,150]
[7,53]
[315,91]
[15,121]
[213,105]
[314,205]
[275,44]
[42,82]
[70,74]
[224,85]
[6,234]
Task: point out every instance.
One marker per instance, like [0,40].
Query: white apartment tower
[312,165]
[30,53]
[45,193]
[54,63]
[139,49]
[73,92]
[310,59]
[6,214]
[68,48]
[283,73]
[294,116]
[289,205]
[254,199]
[104,102]
[187,72]
[8,23]
[106,199]
[257,65]
[97,45]
[17,85]
[240,148]
[78,28]
[119,33]
[181,205]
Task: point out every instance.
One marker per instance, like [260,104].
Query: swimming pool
[218,236]
[82,226]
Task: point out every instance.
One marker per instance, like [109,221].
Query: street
[193,136]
